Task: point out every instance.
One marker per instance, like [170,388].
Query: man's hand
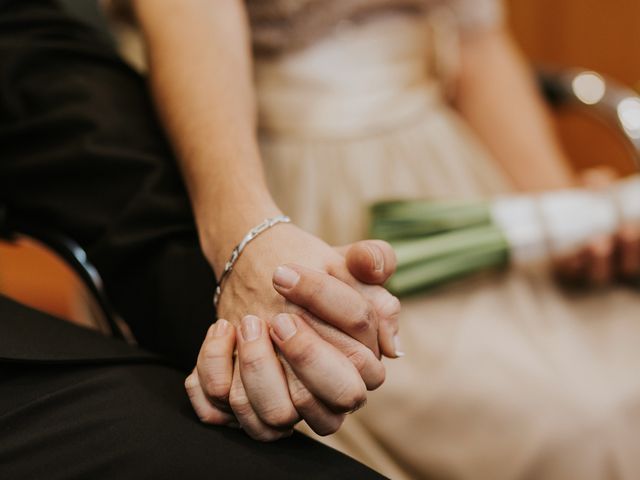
[318,376]
[604,260]
[256,391]
[364,307]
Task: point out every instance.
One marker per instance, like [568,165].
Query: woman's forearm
[497,96]
[200,73]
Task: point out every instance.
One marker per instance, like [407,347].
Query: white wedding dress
[506,376]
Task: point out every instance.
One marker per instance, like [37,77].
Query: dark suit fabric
[75,404]
[81,153]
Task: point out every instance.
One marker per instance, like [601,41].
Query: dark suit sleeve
[81,153]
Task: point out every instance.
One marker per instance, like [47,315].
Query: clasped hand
[309,351]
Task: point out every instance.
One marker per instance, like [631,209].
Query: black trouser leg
[102,409]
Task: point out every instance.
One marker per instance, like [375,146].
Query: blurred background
[597,35]
[591,34]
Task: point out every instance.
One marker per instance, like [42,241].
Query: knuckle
[215,378]
[211,418]
[370,368]
[377,377]
[387,305]
[191,383]
[302,398]
[392,306]
[281,416]
[251,363]
[210,353]
[359,359]
[239,402]
[217,388]
[351,398]
[303,355]
[363,320]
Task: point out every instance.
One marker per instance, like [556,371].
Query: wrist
[221,233]
[237,251]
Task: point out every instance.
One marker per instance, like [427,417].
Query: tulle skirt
[506,375]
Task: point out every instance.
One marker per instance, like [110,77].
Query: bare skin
[229,195]
[282,373]
[497,96]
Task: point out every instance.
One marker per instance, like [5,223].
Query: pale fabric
[284,25]
[279,26]
[506,376]
[354,118]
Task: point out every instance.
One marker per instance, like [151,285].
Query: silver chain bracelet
[235,254]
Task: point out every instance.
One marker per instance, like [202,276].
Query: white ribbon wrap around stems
[539,227]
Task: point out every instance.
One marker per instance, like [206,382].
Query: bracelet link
[237,251]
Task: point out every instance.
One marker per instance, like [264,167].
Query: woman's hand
[604,259]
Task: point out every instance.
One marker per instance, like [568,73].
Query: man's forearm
[498,98]
[200,72]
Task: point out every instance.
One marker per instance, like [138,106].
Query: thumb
[370,261]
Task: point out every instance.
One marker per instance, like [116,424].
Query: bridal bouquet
[438,241]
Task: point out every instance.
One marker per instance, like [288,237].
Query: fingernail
[284,327]
[285,277]
[398,346]
[251,328]
[221,328]
[378,259]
